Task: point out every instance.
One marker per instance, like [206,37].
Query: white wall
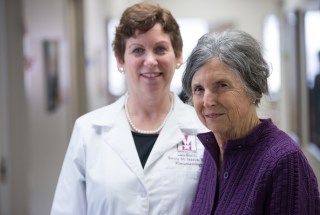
[49,135]
[95,37]
[15,120]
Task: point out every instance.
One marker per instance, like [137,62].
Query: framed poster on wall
[50,56]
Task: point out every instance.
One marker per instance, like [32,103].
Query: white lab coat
[102,173]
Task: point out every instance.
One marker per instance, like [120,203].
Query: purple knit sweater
[264,172]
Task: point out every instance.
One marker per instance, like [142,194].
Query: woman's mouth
[151,75]
[213,115]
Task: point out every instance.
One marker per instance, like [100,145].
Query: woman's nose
[150,60]
[209,99]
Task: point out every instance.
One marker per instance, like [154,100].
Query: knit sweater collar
[210,143]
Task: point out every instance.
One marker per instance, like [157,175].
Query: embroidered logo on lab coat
[187,153]
[188,143]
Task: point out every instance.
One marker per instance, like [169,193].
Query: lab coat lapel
[121,141]
[169,137]
[173,132]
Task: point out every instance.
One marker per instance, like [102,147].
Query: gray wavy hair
[238,50]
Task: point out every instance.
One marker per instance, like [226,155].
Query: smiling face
[149,62]
[221,102]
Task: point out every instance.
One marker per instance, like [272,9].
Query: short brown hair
[142,17]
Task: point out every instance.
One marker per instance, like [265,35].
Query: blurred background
[56,63]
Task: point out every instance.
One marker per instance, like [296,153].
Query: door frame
[14,129]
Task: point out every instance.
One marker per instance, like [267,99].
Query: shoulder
[271,146]
[281,151]
[274,140]
[281,144]
[103,116]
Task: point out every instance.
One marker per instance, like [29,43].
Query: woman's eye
[197,90]
[222,85]
[138,51]
[160,50]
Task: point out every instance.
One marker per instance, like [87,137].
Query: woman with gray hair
[250,166]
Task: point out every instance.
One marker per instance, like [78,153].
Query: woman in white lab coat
[140,154]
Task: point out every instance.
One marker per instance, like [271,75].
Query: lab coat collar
[173,132]
[104,118]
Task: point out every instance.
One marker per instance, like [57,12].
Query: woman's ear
[178,65]
[120,64]
[179,60]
